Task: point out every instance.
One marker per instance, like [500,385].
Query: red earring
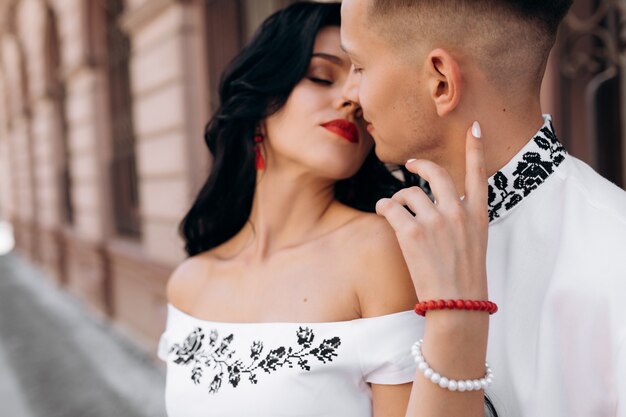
[258,156]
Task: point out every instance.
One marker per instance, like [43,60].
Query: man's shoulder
[595,193]
[594,223]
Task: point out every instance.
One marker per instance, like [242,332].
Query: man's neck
[505,132]
[506,136]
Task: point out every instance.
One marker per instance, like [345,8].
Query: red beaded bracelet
[473,305]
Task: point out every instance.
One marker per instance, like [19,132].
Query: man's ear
[443,80]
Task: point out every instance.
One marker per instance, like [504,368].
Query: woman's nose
[348,107]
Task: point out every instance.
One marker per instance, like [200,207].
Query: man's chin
[386,155]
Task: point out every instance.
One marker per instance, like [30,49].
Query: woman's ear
[262,128]
[443,80]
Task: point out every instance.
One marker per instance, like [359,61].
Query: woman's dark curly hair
[256,85]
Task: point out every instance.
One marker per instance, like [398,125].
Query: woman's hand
[444,243]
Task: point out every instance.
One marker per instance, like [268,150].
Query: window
[224,39]
[55,89]
[123,171]
[230,24]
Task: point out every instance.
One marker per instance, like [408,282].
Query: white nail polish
[476,132]
[410,160]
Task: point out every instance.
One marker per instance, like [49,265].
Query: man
[423,70]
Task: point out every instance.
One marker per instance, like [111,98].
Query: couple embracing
[483,276]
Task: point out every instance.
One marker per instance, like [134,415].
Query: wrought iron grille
[591,51]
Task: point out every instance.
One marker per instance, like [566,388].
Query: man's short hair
[512,38]
[545,13]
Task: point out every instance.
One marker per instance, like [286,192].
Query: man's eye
[320,81]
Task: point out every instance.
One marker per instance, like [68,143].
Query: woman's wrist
[474,384]
[474,289]
[457,323]
[455,342]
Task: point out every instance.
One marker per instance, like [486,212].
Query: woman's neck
[288,209]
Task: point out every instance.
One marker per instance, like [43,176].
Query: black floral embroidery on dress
[218,359]
[525,173]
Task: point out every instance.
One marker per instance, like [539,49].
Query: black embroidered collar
[526,171]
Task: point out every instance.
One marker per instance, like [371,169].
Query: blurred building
[102,109]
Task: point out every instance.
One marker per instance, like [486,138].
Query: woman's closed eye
[319,80]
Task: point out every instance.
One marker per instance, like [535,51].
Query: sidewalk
[57,360]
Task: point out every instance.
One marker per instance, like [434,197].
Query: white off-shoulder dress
[284,369]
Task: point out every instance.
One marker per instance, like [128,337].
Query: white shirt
[284,369]
[556,266]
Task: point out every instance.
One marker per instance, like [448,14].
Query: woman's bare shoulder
[373,233]
[384,285]
[187,279]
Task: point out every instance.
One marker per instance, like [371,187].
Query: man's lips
[343,128]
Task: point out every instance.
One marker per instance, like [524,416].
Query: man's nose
[350,89]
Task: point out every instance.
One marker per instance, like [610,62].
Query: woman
[295,299]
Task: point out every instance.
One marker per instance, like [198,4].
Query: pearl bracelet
[443,382]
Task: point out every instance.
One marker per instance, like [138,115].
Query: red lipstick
[343,128]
